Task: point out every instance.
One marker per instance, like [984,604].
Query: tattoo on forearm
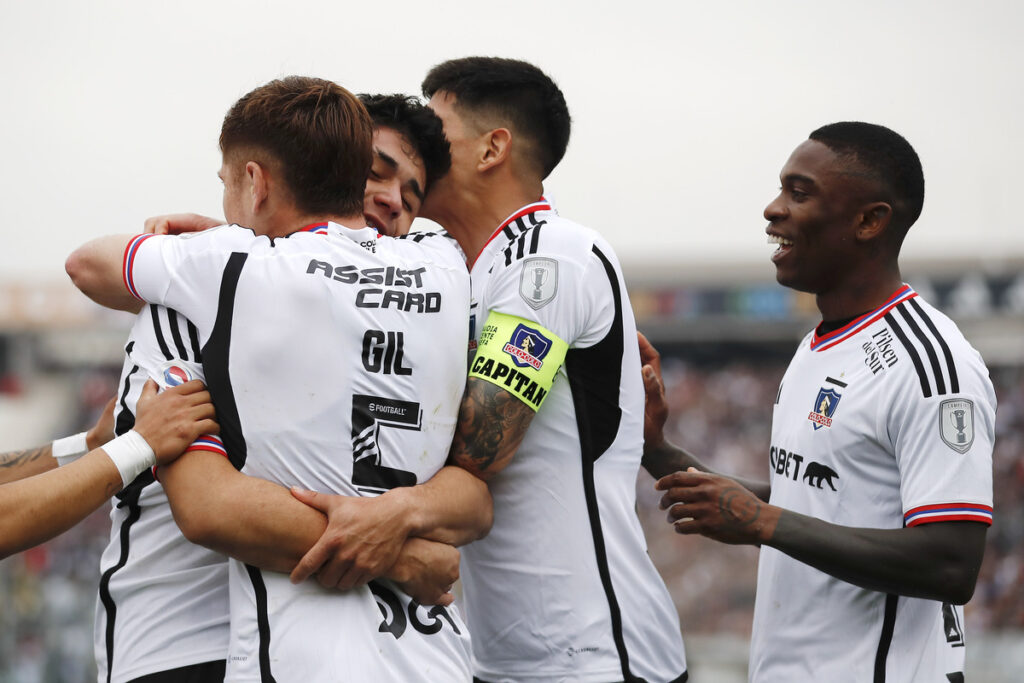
[16,458]
[490,419]
[738,508]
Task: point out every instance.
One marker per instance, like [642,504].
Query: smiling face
[814,219]
[394,188]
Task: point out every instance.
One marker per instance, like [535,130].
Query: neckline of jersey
[829,340]
[541,204]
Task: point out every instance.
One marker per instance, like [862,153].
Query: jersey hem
[150,667]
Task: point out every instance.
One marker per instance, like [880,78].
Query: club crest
[956,424]
[824,408]
[527,347]
[539,282]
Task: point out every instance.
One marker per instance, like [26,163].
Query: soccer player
[359,398]
[39,507]
[562,588]
[881,445]
[163,607]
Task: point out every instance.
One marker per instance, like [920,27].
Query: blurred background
[683,114]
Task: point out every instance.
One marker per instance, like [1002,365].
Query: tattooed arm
[15,465]
[938,561]
[492,424]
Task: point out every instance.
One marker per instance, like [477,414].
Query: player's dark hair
[418,124]
[316,131]
[888,158]
[515,93]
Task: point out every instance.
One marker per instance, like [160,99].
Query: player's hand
[171,420]
[363,538]
[426,571]
[177,223]
[655,405]
[716,507]
[103,430]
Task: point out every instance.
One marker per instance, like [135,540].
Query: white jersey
[332,360]
[562,588]
[163,602]
[884,423]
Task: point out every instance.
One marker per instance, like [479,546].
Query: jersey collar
[829,340]
[541,204]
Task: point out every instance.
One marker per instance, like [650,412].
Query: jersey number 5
[369,414]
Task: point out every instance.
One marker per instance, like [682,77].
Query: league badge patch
[539,281]
[527,347]
[824,408]
[956,424]
[177,372]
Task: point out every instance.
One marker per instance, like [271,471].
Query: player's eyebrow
[416,190]
[386,158]
[390,161]
[790,178]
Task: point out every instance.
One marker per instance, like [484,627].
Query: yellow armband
[519,356]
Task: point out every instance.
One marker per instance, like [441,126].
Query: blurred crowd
[720,411]
[723,415]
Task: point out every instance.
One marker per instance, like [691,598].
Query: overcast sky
[684,112]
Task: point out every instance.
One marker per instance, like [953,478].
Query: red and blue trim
[315,228]
[128,264]
[829,340]
[948,512]
[208,443]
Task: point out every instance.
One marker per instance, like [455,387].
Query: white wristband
[131,455]
[69,449]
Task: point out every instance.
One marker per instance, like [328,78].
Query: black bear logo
[816,473]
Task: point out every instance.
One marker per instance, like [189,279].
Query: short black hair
[418,124]
[514,92]
[887,157]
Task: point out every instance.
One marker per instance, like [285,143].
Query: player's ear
[497,146]
[258,181]
[874,221]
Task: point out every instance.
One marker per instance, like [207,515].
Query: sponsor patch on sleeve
[519,356]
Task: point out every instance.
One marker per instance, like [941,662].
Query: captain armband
[519,356]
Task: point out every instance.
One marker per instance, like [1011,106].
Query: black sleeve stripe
[159,333]
[172,322]
[933,358]
[912,352]
[521,246]
[193,338]
[508,232]
[954,382]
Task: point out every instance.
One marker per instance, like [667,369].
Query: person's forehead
[812,158]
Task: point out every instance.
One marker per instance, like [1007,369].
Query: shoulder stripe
[179,344]
[948,512]
[954,381]
[929,348]
[161,342]
[193,338]
[912,352]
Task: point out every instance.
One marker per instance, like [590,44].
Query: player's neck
[286,225]
[474,222]
[863,290]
